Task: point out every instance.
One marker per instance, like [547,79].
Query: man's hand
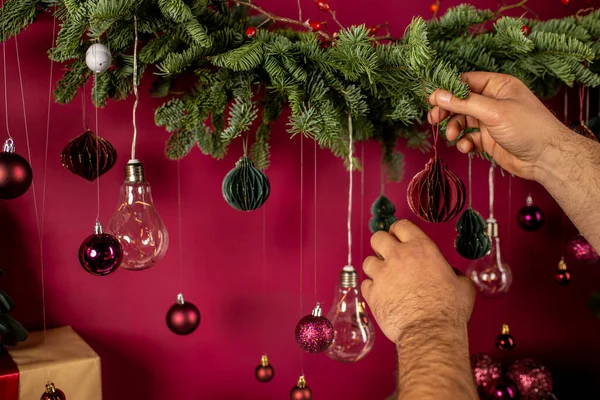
[515,127]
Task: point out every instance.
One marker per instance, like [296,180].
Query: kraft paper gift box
[64,359]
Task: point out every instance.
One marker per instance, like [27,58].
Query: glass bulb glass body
[491,274]
[136,223]
[354,331]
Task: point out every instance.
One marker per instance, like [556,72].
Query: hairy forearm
[569,169]
[433,363]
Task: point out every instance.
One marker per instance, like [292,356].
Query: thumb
[485,109]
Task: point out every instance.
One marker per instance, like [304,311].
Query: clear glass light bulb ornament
[136,222]
[354,331]
[491,274]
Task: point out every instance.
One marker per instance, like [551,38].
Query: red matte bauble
[505,342]
[100,254]
[88,156]
[323,5]
[264,373]
[503,389]
[251,32]
[563,278]
[15,175]
[299,393]
[533,380]
[485,371]
[436,194]
[183,319]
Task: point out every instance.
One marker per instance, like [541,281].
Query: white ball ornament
[98,58]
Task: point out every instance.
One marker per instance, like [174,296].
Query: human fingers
[436,115]
[406,231]
[371,266]
[480,81]
[470,142]
[382,243]
[481,107]
[455,126]
[365,289]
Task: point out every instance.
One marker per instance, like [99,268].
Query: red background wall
[122,316]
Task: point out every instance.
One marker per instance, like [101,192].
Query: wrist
[547,168]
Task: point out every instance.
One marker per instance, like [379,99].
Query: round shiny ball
[301,393]
[503,389]
[533,380]
[264,373]
[98,58]
[322,5]
[15,175]
[485,371]
[314,334]
[582,250]
[530,218]
[505,342]
[100,254]
[562,277]
[183,319]
[314,26]
[251,32]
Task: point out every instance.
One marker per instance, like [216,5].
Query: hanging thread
[135,87]
[315,220]
[362,204]
[581,100]
[179,227]
[301,237]
[491,186]
[264,269]
[470,181]
[97,147]
[5,81]
[351,165]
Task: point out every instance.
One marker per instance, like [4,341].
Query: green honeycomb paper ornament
[246,187]
[383,215]
[472,241]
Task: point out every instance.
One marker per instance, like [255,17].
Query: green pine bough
[235,84]
[11,331]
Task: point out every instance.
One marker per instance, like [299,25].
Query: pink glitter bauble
[582,250]
[485,371]
[533,379]
[314,334]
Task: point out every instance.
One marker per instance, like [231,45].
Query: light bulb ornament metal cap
[492,227]
[348,277]
[134,172]
[301,382]
[9,146]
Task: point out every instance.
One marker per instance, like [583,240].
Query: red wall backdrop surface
[123,316]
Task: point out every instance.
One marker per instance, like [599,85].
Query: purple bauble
[582,250]
[530,217]
[533,380]
[314,333]
[183,317]
[100,254]
[503,389]
[485,371]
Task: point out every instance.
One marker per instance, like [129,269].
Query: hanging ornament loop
[135,87]
[9,146]
[350,186]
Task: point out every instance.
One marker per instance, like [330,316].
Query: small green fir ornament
[383,215]
[246,187]
[11,331]
[472,241]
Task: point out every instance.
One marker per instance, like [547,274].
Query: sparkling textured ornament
[530,217]
[100,254]
[314,333]
[485,371]
[251,32]
[322,5]
[98,58]
[383,215]
[583,130]
[264,372]
[15,173]
[183,317]
[582,250]
[472,241]
[505,341]
[52,393]
[82,153]
[503,389]
[301,391]
[436,194]
[526,30]
[245,187]
[314,25]
[562,276]
[533,379]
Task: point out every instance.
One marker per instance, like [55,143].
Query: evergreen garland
[235,81]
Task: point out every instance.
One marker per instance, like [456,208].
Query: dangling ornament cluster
[246,187]
[15,173]
[314,332]
[88,156]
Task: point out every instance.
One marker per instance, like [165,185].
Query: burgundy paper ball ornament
[100,254]
[533,379]
[15,173]
[52,393]
[301,391]
[264,372]
[314,332]
[503,389]
[183,317]
[436,194]
[485,371]
[88,156]
[505,341]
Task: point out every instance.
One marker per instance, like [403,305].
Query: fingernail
[444,96]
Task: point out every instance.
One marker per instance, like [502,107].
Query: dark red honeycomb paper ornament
[82,153]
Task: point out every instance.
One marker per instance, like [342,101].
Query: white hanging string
[179,228]
[351,165]
[97,147]
[301,237]
[362,203]
[491,186]
[135,88]
[315,220]
[5,81]
[470,182]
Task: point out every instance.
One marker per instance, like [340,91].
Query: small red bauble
[562,276]
[301,391]
[503,389]
[264,372]
[314,25]
[100,254]
[323,5]
[314,333]
[53,393]
[433,8]
[251,32]
[183,317]
[505,341]
[565,2]
[15,173]
[526,30]
[533,379]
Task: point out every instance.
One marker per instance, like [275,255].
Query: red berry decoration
[372,30]
[526,30]
[251,32]
[323,5]
[264,372]
[505,342]
[101,253]
[53,393]
[314,25]
[301,391]
[88,156]
[314,332]
[433,8]
[436,194]
[562,275]
[183,318]
[15,173]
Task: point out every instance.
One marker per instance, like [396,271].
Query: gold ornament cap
[505,329]
[134,172]
[264,360]
[301,382]
[562,265]
[50,389]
